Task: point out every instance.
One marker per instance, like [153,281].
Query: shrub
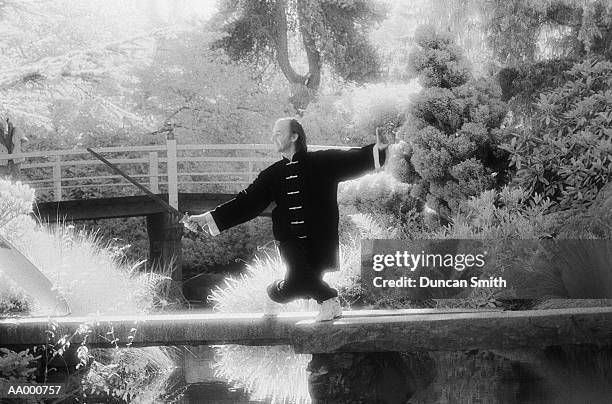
[499,215]
[439,63]
[565,152]
[382,197]
[452,127]
[524,82]
[398,163]
[236,244]
[16,366]
[15,200]
[91,274]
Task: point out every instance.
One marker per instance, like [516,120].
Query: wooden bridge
[73,185]
[168,169]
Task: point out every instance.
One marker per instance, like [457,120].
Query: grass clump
[95,278]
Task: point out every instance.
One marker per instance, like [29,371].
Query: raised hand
[382,143]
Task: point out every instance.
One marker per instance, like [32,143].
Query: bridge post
[154,172]
[172,170]
[57,178]
[165,234]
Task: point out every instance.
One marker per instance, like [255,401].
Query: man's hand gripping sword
[188,223]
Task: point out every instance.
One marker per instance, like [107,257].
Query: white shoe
[271,308]
[329,310]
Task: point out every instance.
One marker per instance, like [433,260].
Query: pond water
[571,374]
[575,374]
[195,381]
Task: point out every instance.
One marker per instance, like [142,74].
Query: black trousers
[302,280]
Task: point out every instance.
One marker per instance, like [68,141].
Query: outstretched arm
[356,162]
[248,204]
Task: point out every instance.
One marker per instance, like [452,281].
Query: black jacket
[305,191]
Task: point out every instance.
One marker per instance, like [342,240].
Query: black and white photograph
[306,201]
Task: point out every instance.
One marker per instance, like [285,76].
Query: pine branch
[59,66]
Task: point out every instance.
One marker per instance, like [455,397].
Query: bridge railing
[166,168]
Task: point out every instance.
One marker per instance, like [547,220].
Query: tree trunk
[304,87]
[312,53]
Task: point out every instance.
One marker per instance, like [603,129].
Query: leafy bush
[452,126]
[15,200]
[16,366]
[565,152]
[499,215]
[236,244]
[398,163]
[496,217]
[594,222]
[379,195]
[439,63]
[524,82]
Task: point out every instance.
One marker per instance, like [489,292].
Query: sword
[190,225]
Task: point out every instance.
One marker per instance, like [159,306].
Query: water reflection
[215,393]
[196,381]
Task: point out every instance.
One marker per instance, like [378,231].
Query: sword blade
[150,194]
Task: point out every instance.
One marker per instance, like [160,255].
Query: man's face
[282,138]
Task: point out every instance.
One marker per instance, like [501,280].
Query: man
[305,220]
[11,141]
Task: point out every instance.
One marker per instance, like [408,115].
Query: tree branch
[55,66]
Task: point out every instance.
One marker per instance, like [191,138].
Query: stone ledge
[358,331]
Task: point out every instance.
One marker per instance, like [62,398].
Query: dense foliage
[565,151]
[331,32]
[452,126]
[520,30]
[382,197]
[235,245]
[523,83]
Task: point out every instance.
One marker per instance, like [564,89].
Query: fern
[368,227]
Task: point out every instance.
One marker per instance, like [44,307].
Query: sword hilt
[189,224]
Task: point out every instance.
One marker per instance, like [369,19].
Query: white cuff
[212,226]
[376,152]
[376,157]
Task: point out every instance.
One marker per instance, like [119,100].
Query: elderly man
[305,220]
[11,141]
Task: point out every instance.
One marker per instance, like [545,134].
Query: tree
[452,126]
[331,31]
[497,34]
[205,95]
[527,30]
